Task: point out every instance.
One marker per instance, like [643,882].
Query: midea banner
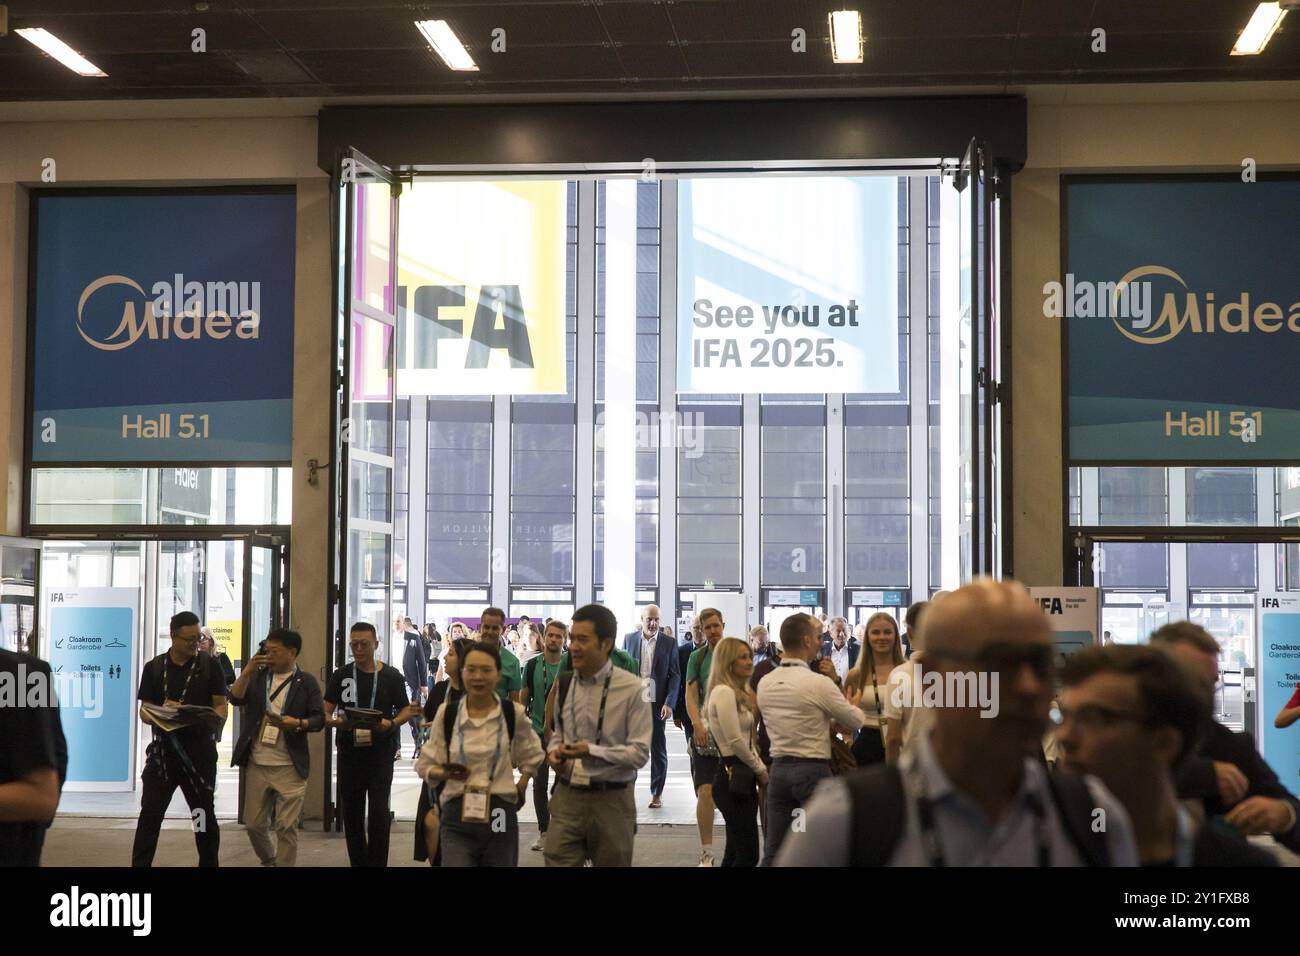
[163,326]
[1182,302]
[787,284]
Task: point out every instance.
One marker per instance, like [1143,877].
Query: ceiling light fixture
[48,43]
[446,44]
[846,36]
[1263,24]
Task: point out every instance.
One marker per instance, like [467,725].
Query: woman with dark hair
[433,650]
[447,691]
[882,651]
[475,745]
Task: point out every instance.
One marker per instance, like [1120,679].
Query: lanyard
[193,666]
[875,688]
[930,833]
[1186,841]
[461,715]
[547,678]
[374,688]
[600,720]
[285,683]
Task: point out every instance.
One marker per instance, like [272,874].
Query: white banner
[788,284]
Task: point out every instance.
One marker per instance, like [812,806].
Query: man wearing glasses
[366,702]
[973,791]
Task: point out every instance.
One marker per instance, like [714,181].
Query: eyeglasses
[1007,659]
[1096,717]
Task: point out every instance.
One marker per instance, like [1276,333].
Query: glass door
[363,469]
[20,568]
[978,474]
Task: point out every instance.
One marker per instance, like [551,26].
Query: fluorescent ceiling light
[1263,24]
[47,42]
[446,44]
[846,36]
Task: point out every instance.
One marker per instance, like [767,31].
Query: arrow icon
[59,642]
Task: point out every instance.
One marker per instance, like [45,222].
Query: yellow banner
[483,269]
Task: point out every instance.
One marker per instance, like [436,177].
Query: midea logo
[178,310]
[1200,313]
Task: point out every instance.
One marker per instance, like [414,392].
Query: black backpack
[449,720]
[876,797]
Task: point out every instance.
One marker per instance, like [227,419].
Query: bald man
[972,790]
[656,656]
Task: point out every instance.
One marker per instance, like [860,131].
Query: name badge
[270,733]
[579,777]
[474,805]
[361,737]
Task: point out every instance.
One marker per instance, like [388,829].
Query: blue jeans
[790,785]
[480,844]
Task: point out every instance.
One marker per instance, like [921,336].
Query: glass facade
[817,492]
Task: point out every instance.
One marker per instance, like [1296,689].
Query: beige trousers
[591,825]
[262,785]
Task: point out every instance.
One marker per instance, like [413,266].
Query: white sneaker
[706,858]
[541,842]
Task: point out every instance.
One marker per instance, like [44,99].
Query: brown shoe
[655,801]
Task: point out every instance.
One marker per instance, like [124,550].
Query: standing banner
[1279,683]
[92,640]
[482,275]
[788,284]
[162,324]
[1075,615]
[1183,319]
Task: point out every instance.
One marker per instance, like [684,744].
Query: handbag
[741,779]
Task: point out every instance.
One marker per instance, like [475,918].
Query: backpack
[449,721]
[876,797]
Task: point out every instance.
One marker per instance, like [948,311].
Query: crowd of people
[820,747]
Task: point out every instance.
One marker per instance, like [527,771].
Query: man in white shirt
[798,707]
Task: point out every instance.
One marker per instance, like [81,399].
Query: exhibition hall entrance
[1216,579]
[105,602]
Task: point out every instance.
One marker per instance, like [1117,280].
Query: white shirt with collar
[966,835]
[798,707]
[840,658]
[624,745]
[480,743]
[647,653]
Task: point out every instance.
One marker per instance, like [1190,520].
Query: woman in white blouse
[476,751]
[729,714]
[882,651]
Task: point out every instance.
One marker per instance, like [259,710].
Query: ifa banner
[482,275]
[1279,685]
[788,284]
[1181,301]
[162,326]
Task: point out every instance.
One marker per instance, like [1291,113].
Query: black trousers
[658,754]
[365,783]
[541,796]
[163,773]
[741,816]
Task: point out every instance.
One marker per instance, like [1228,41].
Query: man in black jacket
[415,671]
[681,716]
[282,705]
[1226,772]
[33,759]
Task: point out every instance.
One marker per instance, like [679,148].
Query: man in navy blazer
[656,656]
[841,648]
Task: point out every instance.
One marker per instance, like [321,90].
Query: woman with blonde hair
[882,651]
[729,715]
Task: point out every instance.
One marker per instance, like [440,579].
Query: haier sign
[162,324]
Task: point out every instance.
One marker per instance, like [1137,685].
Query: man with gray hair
[973,791]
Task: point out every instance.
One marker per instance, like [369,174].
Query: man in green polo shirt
[490,625]
[705,764]
[540,675]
